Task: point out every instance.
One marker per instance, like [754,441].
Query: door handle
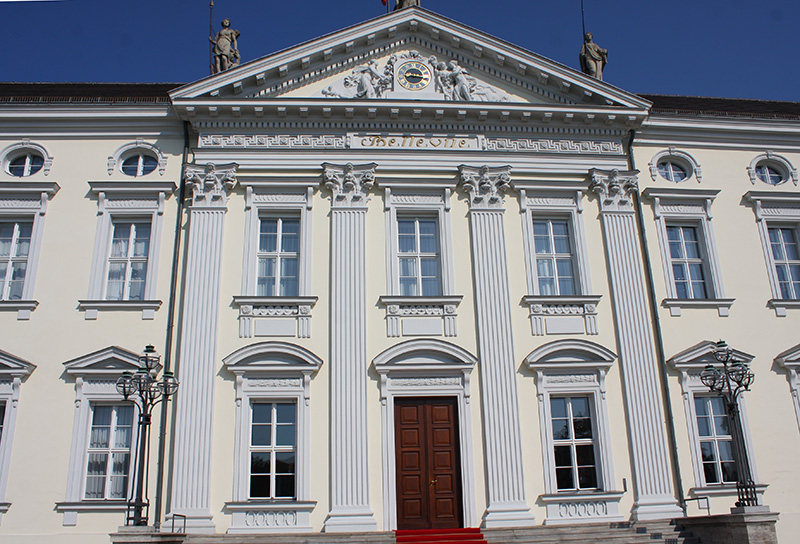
[433,482]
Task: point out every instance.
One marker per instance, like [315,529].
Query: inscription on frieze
[411,141]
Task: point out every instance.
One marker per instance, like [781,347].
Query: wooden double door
[428,464]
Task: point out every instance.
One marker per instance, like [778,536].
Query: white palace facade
[408,275]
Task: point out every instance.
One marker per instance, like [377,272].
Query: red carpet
[440,536]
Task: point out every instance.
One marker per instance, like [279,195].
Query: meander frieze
[279,141]
[541,145]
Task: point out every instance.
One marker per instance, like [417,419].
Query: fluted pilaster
[505,480]
[653,489]
[197,352]
[350,510]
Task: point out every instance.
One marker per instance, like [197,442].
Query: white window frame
[775,209]
[790,361]
[690,364]
[271,372]
[110,450]
[426,367]
[14,150]
[689,207]
[682,159]
[116,159]
[778,162]
[125,201]
[13,371]
[565,368]
[558,314]
[419,315]
[275,316]
[95,376]
[26,201]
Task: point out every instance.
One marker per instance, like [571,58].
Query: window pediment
[424,354]
[13,366]
[110,361]
[272,357]
[697,357]
[569,355]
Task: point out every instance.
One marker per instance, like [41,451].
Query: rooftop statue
[226,52]
[593,57]
[405,4]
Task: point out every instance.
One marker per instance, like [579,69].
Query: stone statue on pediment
[226,50]
[405,4]
[593,58]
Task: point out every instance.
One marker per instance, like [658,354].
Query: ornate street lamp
[145,390]
[730,382]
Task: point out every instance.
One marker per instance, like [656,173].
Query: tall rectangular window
[573,443]
[15,245]
[786,258]
[109,452]
[419,257]
[716,444]
[554,257]
[278,257]
[686,259]
[127,260]
[273,450]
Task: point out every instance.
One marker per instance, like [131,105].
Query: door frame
[426,368]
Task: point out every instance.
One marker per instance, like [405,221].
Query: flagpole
[583,21]
[211,34]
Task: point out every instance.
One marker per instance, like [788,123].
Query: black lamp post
[730,382]
[144,389]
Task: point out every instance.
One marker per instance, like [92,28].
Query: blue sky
[735,48]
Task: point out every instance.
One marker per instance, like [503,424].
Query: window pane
[563,456]
[707,451]
[130,166]
[141,244]
[407,244]
[558,407]
[285,435]
[582,428]
[124,430]
[428,244]
[587,477]
[580,407]
[149,164]
[430,287]
[585,455]
[560,429]
[116,281]
[284,462]
[284,486]
[23,239]
[118,481]
[287,413]
[260,463]
[262,413]
[564,478]
[101,427]
[17,281]
[259,486]
[408,287]
[261,435]
[121,237]
[268,237]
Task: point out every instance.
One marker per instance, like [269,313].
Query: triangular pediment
[789,358]
[110,361]
[455,63]
[700,355]
[11,365]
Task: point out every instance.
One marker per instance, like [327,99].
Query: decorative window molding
[573,312]
[432,368]
[576,368]
[265,316]
[271,372]
[123,203]
[682,159]
[688,211]
[26,202]
[130,149]
[13,371]
[790,360]
[779,211]
[95,377]
[427,314]
[690,363]
[779,166]
[18,149]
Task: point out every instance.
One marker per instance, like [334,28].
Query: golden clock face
[414,75]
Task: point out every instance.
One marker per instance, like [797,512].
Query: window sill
[421,316]
[92,307]
[582,507]
[71,509]
[780,305]
[22,307]
[675,305]
[262,516]
[274,316]
[571,314]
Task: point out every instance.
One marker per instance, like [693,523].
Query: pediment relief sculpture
[412,75]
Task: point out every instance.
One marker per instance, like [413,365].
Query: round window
[139,164]
[25,165]
[672,171]
[768,173]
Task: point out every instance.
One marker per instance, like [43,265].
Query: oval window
[769,174]
[25,165]
[139,164]
[672,171]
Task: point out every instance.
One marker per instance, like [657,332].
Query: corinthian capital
[210,183]
[349,183]
[486,185]
[615,189]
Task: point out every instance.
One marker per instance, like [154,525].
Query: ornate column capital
[211,183]
[486,185]
[615,189]
[349,183]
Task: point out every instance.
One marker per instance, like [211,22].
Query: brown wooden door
[428,471]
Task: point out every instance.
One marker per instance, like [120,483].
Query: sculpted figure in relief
[226,51]
[461,84]
[367,77]
[593,58]
[405,4]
